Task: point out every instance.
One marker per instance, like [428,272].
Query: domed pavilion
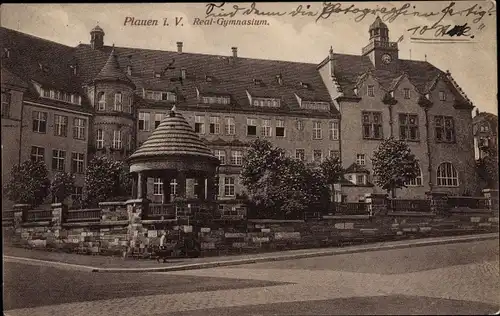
[174,151]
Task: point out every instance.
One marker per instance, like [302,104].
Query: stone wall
[121,229]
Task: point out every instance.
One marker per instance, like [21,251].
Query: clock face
[386,58]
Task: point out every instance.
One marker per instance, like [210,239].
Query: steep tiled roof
[349,69]
[234,76]
[33,58]
[111,71]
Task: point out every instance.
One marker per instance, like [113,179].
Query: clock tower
[382,53]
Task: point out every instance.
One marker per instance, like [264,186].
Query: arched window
[101,99]
[447,175]
[418,181]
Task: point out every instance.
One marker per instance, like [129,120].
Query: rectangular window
[101,101]
[158,118]
[317,155]
[118,102]
[300,154]
[445,129]
[230,128]
[128,104]
[46,93]
[99,139]
[266,128]
[199,124]
[77,160]
[406,92]
[117,139]
[79,128]
[251,127]
[236,157]
[144,121]
[214,125]
[371,91]
[61,125]
[442,96]
[280,128]
[317,132]
[157,186]
[221,155]
[39,122]
[6,104]
[37,153]
[229,186]
[58,157]
[360,179]
[334,130]
[360,159]
[333,153]
[408,127]
[372,125]
[173,187]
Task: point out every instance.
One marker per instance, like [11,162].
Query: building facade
[94,99]
[485,127]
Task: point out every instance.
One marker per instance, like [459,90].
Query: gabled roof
[8,78]
[351,70]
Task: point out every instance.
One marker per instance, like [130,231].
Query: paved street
[458,278]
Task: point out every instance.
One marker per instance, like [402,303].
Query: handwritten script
[473,14]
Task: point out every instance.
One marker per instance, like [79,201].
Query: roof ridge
[204,54]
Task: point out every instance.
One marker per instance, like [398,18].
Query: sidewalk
[116,264]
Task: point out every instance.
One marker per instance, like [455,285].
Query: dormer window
[157,74]
[257,82]
[266,102]
[160,95]
[60,95]
[183,73]
[6,53]
[209,78]
[315,105]
[129,70]
[216,99]
[355,91]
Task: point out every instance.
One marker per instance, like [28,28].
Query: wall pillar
[376,203]
[210,188]
[134,186]
[20,214]
[439,202]
[135,231]
[140,186]
[166,189]
[492,196]
[181,184]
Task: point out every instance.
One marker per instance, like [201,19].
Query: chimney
[179,47]
[477,111]
[235,51]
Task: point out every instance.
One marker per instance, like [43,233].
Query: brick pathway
[477,282]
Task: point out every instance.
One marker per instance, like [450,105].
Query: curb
[347,250]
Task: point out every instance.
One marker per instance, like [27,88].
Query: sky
[473,64]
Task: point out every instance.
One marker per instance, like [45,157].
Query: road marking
[47,263]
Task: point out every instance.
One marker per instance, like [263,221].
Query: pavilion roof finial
[172,111]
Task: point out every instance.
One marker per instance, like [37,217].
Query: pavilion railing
[468,201]
[38,215]
[409,205]
[83,215]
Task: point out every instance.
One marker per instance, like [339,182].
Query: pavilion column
[140,186]
[166,189]
[181,184]
[210,190]
[200,188]
[134,186]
